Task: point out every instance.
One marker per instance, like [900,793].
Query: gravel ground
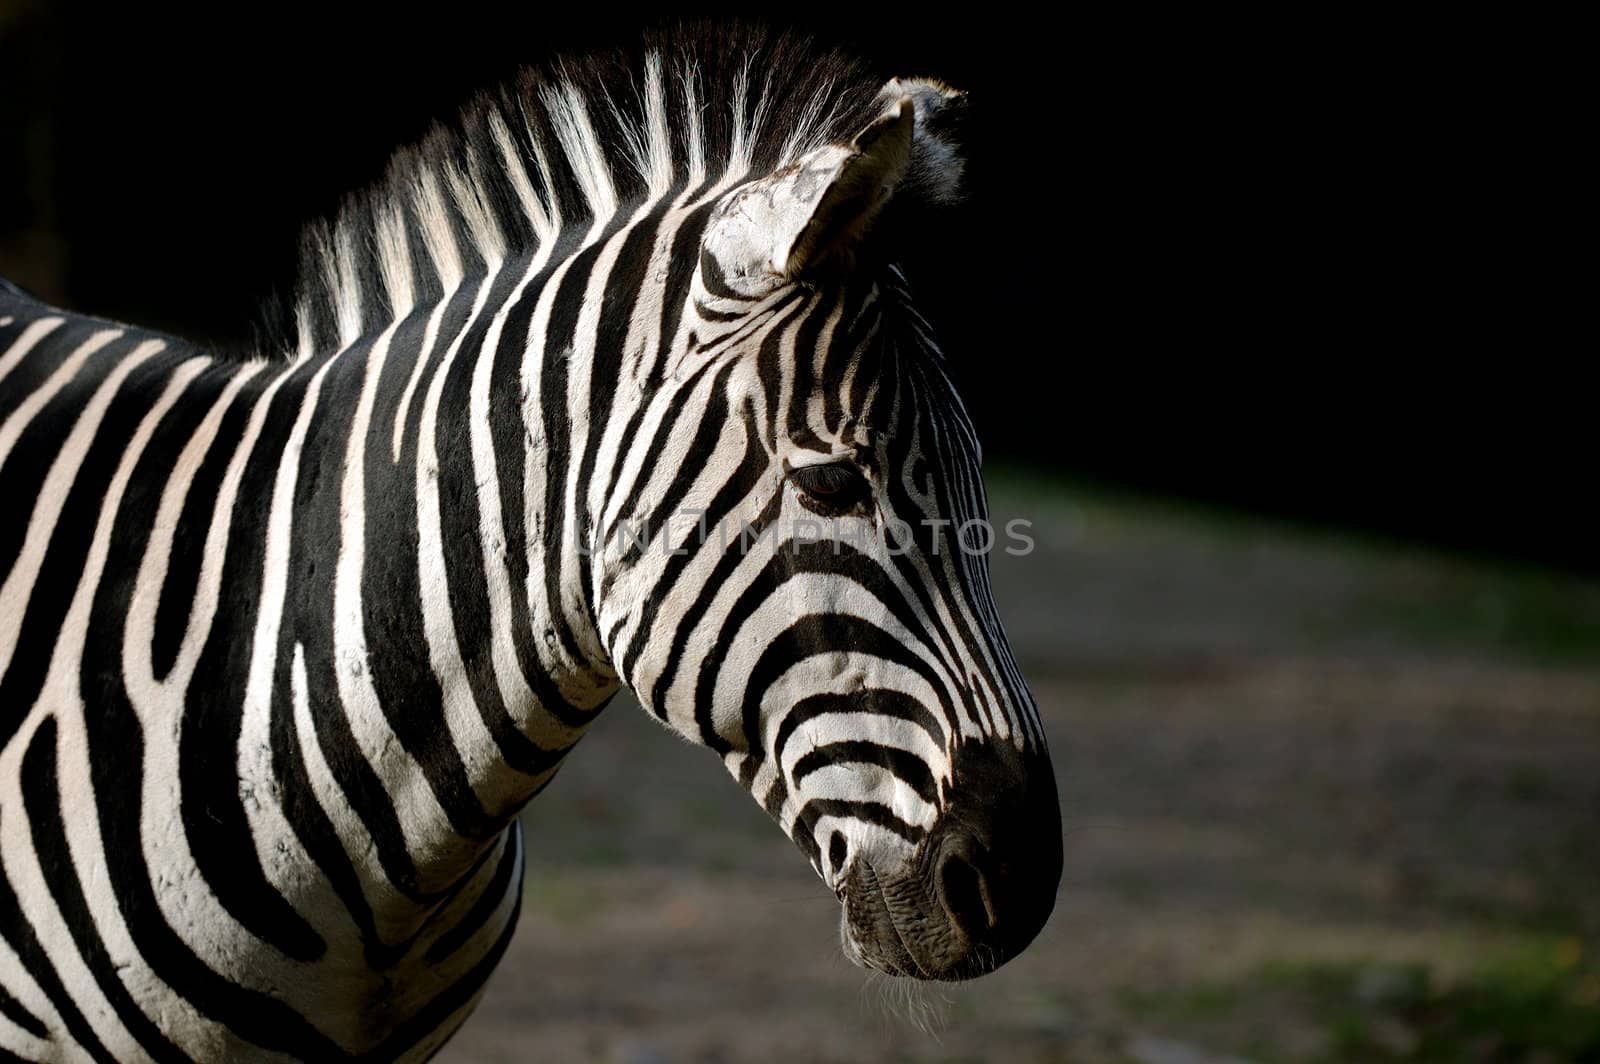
[1299,774]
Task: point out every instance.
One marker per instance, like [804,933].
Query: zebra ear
[937,163]
[777,228]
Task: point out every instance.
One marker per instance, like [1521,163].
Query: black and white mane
[558,149]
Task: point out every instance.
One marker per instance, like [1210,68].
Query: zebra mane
[545,156]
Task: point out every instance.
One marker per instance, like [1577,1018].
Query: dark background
[1326,799]
[1302,266]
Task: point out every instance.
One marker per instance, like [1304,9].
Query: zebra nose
[998,854]
[982,884]
[965,894]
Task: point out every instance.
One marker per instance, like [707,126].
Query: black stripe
[664,431]
[494,893]
[424,732]
[680,275]
[428,1019]
[560,336]
[879,702]
[677,641]
[958,466]
[13,1010]
[813,634]
[211,805]
[117,783]
[681,261]
[905,766]
[401,674]
[715,280]
[875,813]
[819,633]
[70,538]
[732,343]
[310,822]
[620,296]
[44,358]
[509,433]
[178,590]
[849,345]
[929,539]
[20,936]
[804,383]
[706,312]
[739,485]
[38,445]
[42,798]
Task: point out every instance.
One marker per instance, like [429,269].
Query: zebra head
[795,574]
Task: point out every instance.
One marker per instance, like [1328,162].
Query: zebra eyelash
[833,489]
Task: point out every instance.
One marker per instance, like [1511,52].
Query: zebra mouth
[871,935]
[923,927]
[978,888]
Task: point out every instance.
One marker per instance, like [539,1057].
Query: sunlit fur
[287,641]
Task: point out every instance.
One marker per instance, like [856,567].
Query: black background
[1296,264]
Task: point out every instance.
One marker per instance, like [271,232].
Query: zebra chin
[979,888]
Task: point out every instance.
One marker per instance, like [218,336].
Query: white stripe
[36,331]
[22,986]
[468,733]
[514,690]
[269,826]
[402,412]
[18,588]
[544,615]
[38,911]
[37,399]
[63,696]
[160,704]
[418,811]
[346,1026]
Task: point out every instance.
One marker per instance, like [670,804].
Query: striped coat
[612,383]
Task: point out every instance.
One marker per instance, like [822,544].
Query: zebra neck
[445,490]
[430,675]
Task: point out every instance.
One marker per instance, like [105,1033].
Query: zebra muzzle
[980,887]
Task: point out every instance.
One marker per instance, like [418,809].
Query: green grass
[1538,1000]
[1541,1002]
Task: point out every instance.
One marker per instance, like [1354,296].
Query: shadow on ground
[1326,800]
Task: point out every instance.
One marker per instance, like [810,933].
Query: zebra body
[287,642]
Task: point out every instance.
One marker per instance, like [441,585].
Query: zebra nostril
[965,895]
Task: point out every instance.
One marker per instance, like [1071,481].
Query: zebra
[289,637]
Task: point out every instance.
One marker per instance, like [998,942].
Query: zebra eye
[832,489]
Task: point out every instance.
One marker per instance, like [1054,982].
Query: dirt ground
[1326,799]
